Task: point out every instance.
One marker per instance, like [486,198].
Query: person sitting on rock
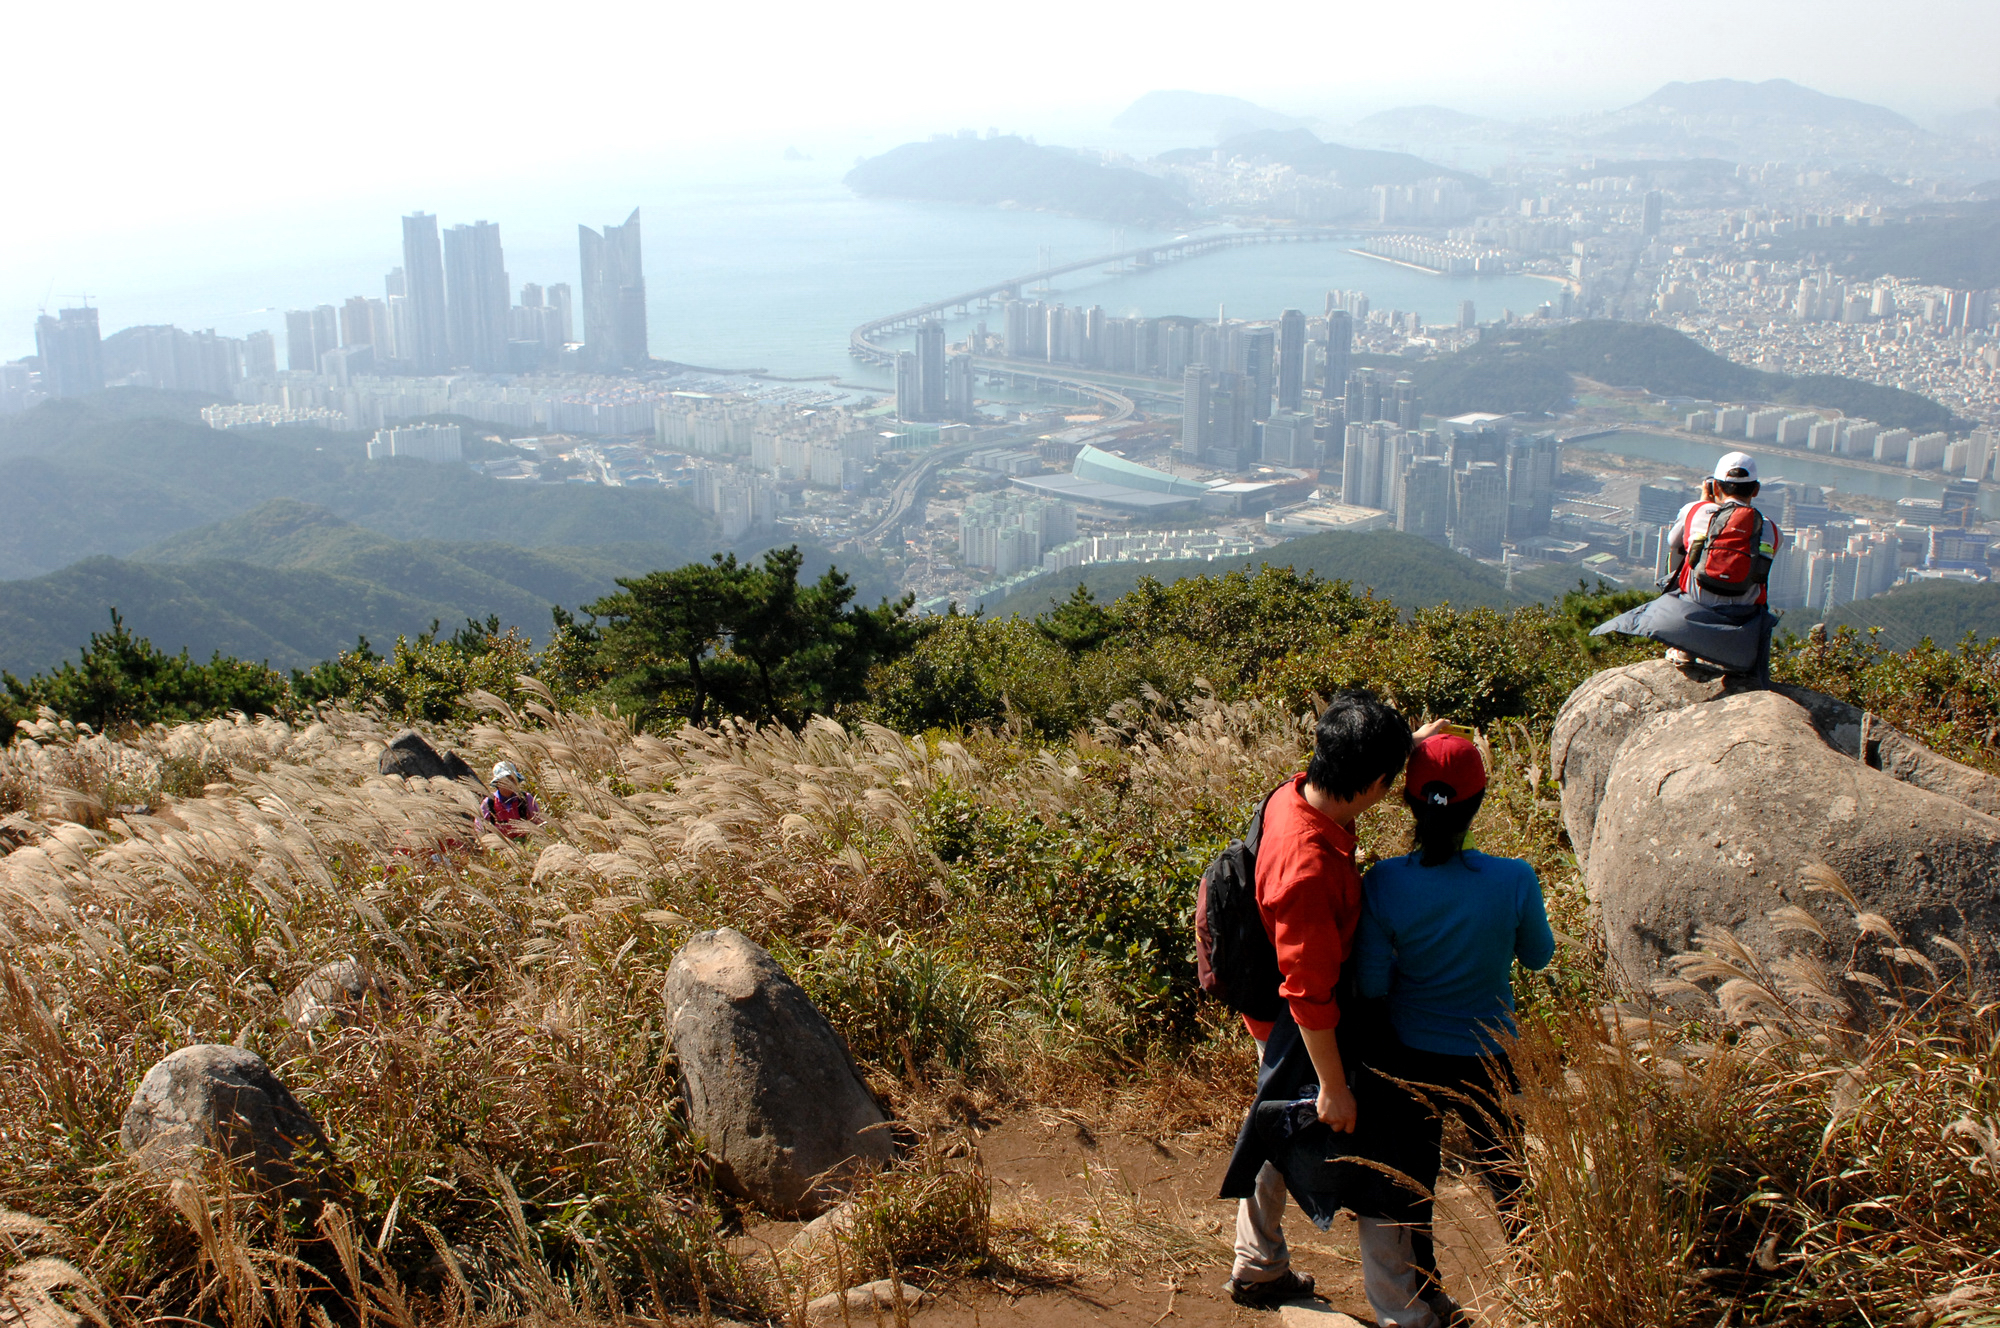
[1440,930]
[509,809]
[1719,550]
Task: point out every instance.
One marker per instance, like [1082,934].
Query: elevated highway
[863,342]
[1117,394]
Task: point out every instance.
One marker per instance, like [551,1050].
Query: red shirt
[1310,896]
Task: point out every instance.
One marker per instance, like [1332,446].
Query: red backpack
[1735,556]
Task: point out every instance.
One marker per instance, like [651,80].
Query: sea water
[751,263]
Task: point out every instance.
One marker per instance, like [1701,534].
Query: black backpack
[1235,957]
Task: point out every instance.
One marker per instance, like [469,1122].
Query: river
[1800,469]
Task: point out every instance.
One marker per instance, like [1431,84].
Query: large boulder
[769,1083]
[1710,813]
[410,755]
[1610,707]
[227,1099]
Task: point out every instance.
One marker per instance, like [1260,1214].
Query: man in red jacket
[1309,894]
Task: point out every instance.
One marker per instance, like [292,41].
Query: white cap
[505,770]
[1736,468]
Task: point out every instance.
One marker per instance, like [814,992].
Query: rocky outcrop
[769,1083]
[224,1098]
[1610,707]
[866,1303]
[411,756]
[1709,813]
[334,993]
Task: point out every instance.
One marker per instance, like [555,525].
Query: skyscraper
[1291,359]
[1649,214]
[356,327]
[1339,349]
[1260,366]
[958,396]
[614,296]
[931,391]
[558,298]
[301,352]
[260,355]
[72,352]
[909,392]
[1194,410]
[326,331]
[429,348]
[476,300]
[1424,499]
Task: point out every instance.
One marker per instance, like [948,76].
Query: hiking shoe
[1286,1286]
[1449,1312]
[1675,655]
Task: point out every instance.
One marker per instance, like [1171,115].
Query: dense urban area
[1050,436]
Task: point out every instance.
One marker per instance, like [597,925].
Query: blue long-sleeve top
[1440,942]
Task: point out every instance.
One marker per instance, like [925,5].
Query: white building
[423,442]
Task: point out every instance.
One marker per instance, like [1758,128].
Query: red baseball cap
[1444,768]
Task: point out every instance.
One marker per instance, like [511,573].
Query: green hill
[292,584]
[1528,369]
[82,481]
[1305,152]
[1413,572]
[1010,170]
[1944,611]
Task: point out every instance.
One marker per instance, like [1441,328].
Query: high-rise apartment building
[1532,467]
[558,300]
[1231,437]
[1339,351]
[614,296]
[1287,440]
[1423,503]
[429,344]
[1649,214]
[260,355]
[909,390]
[958,393]
[476,291]
[931,390]
[1194,410]
[326,330]
[1291,359]
[1479,509]
[73,353]
[300,352]
[356,327]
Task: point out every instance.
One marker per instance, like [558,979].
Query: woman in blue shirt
[1441,927]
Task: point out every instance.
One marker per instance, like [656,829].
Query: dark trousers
[1474,1089]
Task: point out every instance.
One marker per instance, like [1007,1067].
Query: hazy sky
[126,112]
[139,119]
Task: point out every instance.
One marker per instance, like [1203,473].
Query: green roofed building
[1101,479]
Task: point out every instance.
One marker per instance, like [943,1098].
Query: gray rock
[334,993]
[769,1083]
[870,1298]
[224,1098]
[1709,815]
[1610,707]
[1599,716]
[411,756]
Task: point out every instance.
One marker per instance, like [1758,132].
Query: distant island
[1012,172]
[1181,112]
[1305,152]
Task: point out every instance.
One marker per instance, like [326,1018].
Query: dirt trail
[1159,1197]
